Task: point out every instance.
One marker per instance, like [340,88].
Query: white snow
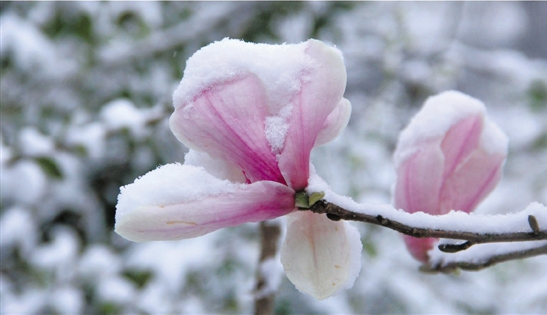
[18,228]
[271,271]
[121,113]
[58,256]
[23,181]
[91,136]
[171,184]
[67,300]
[35,143]
[276,128]
[116,289]
[177,258]
[279,67]
[99,260]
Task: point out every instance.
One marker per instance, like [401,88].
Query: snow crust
[162,186]
[438,115]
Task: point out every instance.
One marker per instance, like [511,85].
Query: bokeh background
[85,96]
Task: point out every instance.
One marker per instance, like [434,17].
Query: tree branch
[501,237]
[483,256]
[438,227]
[264,294]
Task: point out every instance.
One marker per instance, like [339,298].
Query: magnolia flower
[251,114]
[449,157]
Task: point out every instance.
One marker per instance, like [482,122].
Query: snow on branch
[463,230]
[473,229]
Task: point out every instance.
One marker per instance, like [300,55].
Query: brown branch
[453,263]
[264,298]
[470,238]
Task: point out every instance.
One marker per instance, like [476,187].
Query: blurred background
[85,96]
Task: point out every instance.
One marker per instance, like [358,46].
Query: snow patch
[276,128]
[163,186]
[271,270]
[279,67]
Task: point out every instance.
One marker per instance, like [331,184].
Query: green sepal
[315,197]
[302,200]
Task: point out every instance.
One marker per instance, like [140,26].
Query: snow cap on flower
[262,107]
[449,157]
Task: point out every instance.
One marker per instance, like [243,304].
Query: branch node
[382,220]
[534,224]
[454,248]
[333,217]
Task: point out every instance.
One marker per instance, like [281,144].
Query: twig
[483,256]
[439,227]
[264,296]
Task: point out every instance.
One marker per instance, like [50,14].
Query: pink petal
[472,181]
[419,180]
[227,122]
[320,256]
[460,141]
[418,247]
[181,201]
[335,123]
[321,91]
[219,168]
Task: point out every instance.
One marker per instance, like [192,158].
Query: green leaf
[140,278]
[49,166]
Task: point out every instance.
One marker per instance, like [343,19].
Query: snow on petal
[320,256]
[279,67]
[450,157]
[227,122]
[183,201]
[321,91]
[335,123]
[439,113]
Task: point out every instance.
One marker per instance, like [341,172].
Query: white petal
[320,256]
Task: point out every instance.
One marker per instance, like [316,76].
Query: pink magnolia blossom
[450,157]
[251,114]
